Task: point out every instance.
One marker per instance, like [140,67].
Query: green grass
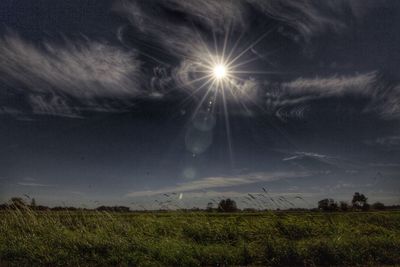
[198,239]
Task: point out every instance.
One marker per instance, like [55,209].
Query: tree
[359,201]
[327,204]
[227,205]
[210,206]
[378,206]
[344,206]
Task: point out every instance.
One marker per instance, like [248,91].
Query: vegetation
[94,238]
[335,234]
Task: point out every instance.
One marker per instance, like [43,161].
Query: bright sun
[219,71]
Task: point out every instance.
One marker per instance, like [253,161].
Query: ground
[88,238]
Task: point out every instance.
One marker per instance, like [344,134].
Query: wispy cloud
[300,155]
[220,182]
[393,140]
[299,158]
[34,184]
[306,17]
[81,69]
[385,164]
[30,179]
[179,36]
[293,97]
[182,38]
[54,74]
[323,87]
[52,104]
[386,142]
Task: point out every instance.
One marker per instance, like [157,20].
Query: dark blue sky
[105,102]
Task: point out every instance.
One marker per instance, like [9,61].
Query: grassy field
[198,239]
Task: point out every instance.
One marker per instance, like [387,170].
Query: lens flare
[219,71]
[217,78]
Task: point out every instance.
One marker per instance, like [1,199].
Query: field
[88,238]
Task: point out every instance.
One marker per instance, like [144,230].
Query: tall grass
[89,238]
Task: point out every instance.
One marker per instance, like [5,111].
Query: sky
[175,104]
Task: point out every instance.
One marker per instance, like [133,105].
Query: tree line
[359,202]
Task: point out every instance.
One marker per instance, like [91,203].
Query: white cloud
[220,182]
[337,162]
[318,87]
[83,69]
[61,78]
[52,105]
[300,155]
[291,98]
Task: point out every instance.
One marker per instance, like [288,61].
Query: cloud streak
[34,184]
[220,182]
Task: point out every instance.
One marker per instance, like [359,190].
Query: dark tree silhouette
[227,205]
[359,201]
[344,206]
[327,204]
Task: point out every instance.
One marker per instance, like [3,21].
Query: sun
[219,71]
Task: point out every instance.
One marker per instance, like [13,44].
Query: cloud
[52,105]
[9,111]
[83,69]
[306,17]
[302,159]
[217,15]
[386,100]
[382,164]
[157,20]
[300,155]
[60,77]
[30,179]
[293,98]
[331,86]
[34,184]
[185,30]
[386,142]
[220,182]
